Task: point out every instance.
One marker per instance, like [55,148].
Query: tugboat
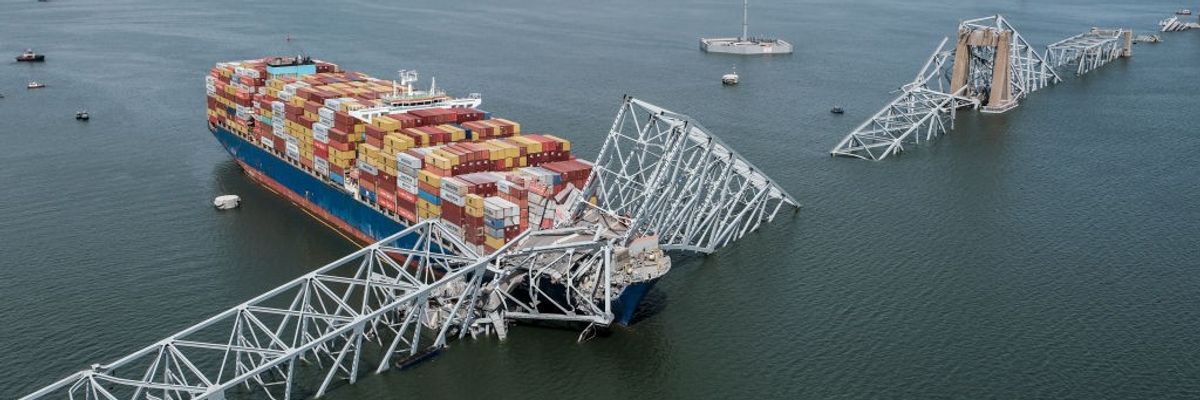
[730,78]
[35,85]
[837,110]
[82,115]
[30,56]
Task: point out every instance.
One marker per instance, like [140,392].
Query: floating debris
[1147,39]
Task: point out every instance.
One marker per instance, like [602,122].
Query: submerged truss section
[995,63]
[392,301]
[922,111]
[664,183]
[672,178]
[990,65]
[1090,50]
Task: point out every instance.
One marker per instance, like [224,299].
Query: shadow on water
[653,304]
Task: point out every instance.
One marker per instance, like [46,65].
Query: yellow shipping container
[530,145]
[492,242]
[438,160]
[456,134]
[474,200]
[395,142]
[430,178]
[386,123]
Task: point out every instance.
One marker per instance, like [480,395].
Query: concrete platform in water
[745,44]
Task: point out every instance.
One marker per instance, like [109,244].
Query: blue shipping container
[429,197]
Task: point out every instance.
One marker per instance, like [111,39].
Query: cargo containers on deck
[478,173]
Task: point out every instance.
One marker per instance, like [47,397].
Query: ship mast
[745,8]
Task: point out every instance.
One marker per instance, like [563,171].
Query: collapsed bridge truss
[1090,50]
[991,67]
[400,300]
[679,182]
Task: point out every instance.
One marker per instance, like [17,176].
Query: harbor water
[1050,252]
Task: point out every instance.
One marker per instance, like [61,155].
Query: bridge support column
[1127,48]
[1000,99]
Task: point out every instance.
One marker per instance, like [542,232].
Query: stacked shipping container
[477,173]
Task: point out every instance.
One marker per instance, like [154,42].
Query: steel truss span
[1090,50]
[922,111]
[394,300]
[990,62]
[672,178]
[672,185]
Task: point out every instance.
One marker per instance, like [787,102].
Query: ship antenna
[432,85]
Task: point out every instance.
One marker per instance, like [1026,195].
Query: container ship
[370,157]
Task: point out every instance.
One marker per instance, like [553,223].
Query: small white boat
[35,85]
[227,202]
[1184,12]
[730,78]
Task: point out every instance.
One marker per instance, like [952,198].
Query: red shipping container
[375,132]
[407,120]
[385,181]
[408,215]
[467,114]
[452,213]
[424,187]
[435,116]
[386,199]
[405,196]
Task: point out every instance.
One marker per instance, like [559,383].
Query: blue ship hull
[346,213]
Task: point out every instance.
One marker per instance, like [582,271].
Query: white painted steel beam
[670,177]
[926,107]
[375,300]
[660,177]
[1089,50]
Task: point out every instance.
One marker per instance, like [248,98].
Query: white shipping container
[453,198]
[321,165]
[326,112]
[410,171]
[267,142]
[368,168]
[320,132]
[455,230]
[492,211]
[408,160]
[407,187]
[293,150]
[452,184]
[406,179]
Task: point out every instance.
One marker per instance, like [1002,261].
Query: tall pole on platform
[745,8]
